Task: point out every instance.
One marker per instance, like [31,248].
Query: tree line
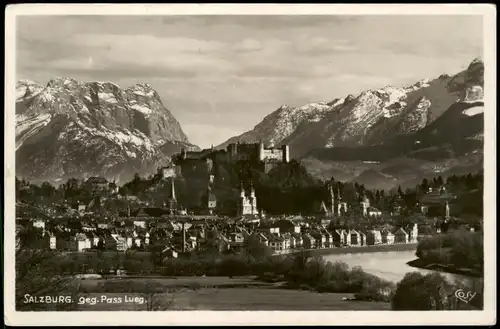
[287,189]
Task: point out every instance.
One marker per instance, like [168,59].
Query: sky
[221,75]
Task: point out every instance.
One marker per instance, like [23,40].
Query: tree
[154,299]
[425,185]
[416,292]
[124,190]
[36,275]
[256,248]
[301,258]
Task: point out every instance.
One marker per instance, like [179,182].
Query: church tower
[339,203]
[332,199]
[211,200]
[247,205]
[447,211]
[365,204]
[242,191]
[253,200]
[252,191]
[172,199]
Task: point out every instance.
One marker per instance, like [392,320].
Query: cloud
[248,45]
[145,41]
[321,45]
[220,75]
[262,22]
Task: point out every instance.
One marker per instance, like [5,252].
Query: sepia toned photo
[218,160]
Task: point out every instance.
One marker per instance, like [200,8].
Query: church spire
[172,199]
[252,190]
[242,190]
[332,199]
[447,210]
[172,191]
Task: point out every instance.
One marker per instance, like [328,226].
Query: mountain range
[70,129]
[386,137]
[380,138]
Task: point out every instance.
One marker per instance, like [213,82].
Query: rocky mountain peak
[64,120]
[349,98]
[477,60]
[370,117]
[62,82]
[475,73]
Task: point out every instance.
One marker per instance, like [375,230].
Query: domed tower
[253,200]
[252,190]
[365,204]
[242,191]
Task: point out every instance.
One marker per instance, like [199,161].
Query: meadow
[210,293]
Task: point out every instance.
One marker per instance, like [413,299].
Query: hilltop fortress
[205,165]
[266,158]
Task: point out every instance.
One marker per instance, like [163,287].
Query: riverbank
[358,250]
[445,268]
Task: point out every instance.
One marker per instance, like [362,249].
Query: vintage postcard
[250,164]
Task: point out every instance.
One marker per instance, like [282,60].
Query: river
[388,265]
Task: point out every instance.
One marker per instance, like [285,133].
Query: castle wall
[168,172]
[269,166]
[194,167]
[243,152]
[286,153]
[271,154]
[220,157]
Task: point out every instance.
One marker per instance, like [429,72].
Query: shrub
[460,248]
[418,292]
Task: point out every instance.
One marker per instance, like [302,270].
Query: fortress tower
[281,154]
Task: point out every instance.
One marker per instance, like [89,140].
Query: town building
[401,236]
[354,239]
[373,237]
[309,242]
[373,212]
[96,185]
[365,204]
[387,236]
[436,202]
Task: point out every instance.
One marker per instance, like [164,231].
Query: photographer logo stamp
[465,297]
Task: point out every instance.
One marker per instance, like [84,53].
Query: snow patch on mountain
[141,109]
[26,88]
[29,126]
[107,97]
[474,111]
[474,94]
[98,128]
[416,118]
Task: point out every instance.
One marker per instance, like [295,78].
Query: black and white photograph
[218,159]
